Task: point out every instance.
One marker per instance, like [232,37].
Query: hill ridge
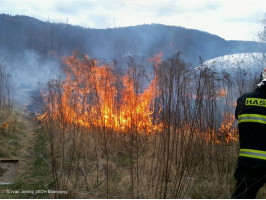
[19,33]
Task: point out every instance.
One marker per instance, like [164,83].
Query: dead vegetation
[186,148]
[108,134]
[7,119]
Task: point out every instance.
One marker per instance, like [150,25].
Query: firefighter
[250,112]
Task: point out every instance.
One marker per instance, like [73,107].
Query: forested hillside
[19,33]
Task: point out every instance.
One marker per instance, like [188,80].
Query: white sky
[230,19]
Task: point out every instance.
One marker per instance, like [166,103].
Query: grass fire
[147,134]
[161,129]
[147,111]
[94,96]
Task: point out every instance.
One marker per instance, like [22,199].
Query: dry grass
[192,154]
[82,168]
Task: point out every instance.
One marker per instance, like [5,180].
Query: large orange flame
[92,96]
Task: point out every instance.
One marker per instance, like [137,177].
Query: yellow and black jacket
[251,115]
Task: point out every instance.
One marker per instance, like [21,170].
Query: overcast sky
[230,19]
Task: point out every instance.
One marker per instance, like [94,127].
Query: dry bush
[6,105]
[188,149]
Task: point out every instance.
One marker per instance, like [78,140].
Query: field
[107,133]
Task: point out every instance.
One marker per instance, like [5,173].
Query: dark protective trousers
[247,187]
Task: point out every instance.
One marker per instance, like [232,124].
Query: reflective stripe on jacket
[252,118]
[251,153]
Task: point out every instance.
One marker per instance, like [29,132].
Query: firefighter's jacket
[251,115]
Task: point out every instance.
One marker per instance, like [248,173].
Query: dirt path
[8,172]
[17,146]
[26,144]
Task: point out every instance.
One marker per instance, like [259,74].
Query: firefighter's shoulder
[253,94]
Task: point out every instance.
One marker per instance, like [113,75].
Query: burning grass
[113,135]
[94,96]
